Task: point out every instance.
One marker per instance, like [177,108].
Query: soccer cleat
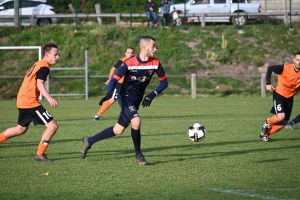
[141,160]
[289,126]
[265,127]
[43,157]
[86,147]
[265,138]
[96,117]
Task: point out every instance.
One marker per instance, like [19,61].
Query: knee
[280,117]
[53,126]
[136,123]
[118,131]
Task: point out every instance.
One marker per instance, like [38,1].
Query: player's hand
[107,97]
[270,88]
[107,82]
[148,99]
[53,102]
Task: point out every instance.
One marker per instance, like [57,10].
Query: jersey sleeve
[118,64]
[277,69]
[42,73]
[116,77]
[161,73]
[162,78]
[121,71]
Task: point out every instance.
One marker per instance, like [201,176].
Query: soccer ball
[196,132]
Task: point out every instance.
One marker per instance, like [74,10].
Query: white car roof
[4,1]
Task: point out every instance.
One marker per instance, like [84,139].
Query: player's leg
[45,140]
[294,121]
[109,132]
[136,138]
[277,126]
[279,115]
[21,128]
[41,116]
[104,134]
[103,108]
[12,132]
[130,110]
[108,103]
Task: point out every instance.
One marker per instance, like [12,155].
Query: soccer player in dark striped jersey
[283,96]
[137,72]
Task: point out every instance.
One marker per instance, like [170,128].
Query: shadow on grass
[145,117]
[271,160]
[130,153]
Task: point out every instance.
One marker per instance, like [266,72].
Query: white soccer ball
[196,132]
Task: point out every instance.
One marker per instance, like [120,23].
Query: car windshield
[237,1]
[200,2]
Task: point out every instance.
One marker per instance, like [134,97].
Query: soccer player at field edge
[29,106]
[106,104]
[137,72]
[283,95]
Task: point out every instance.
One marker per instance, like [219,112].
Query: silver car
[27,9]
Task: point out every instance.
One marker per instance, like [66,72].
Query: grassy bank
[205,51]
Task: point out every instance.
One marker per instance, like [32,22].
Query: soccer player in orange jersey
[128,53]
[283,96]
[29,106]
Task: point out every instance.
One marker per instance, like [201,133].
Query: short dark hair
[129,48]
[48,47]
[145,40]
[148,38]
[297,53]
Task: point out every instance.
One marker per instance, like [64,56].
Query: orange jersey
[288,81]
[28,93]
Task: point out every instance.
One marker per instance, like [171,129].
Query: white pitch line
[248,195]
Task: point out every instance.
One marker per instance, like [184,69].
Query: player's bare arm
[110,75]
[44,92]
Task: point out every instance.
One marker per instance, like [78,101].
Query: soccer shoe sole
[86,147]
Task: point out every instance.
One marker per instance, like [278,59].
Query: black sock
[106,133]
[296,120]
[136,138]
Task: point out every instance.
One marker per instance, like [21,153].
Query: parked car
[27,9]
[219,6]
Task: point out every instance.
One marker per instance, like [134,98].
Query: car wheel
[243,19]
[43,22]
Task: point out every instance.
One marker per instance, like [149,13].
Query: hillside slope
[213,50]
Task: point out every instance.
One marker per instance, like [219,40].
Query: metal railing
[118,16]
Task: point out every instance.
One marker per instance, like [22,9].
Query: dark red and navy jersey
[137,75]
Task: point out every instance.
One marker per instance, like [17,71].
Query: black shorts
[129,110]
[37,115]
[116,91]
[282,104]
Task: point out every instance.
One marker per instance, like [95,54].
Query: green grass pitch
[230,163]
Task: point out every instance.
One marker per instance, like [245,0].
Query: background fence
[278,9]
[198,83]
